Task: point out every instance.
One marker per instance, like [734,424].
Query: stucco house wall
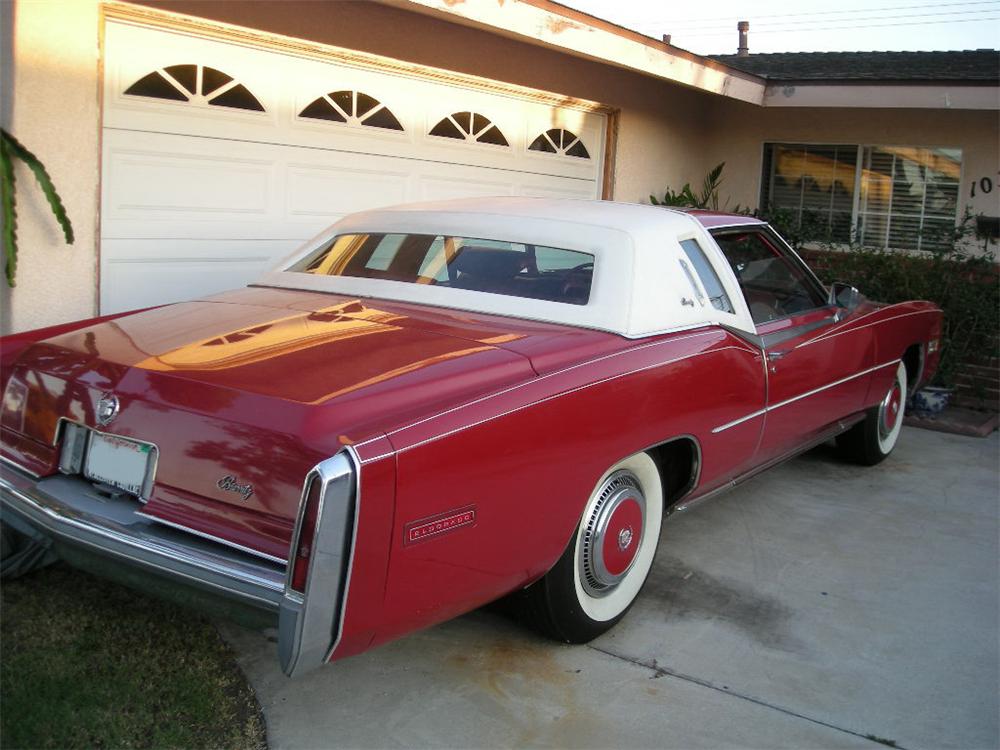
[55,112]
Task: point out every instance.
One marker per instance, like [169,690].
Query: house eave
[548,24]
[966,95]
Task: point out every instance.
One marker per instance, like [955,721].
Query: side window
[773,283]
[709,278]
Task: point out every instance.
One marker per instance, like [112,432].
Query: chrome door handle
[776,354]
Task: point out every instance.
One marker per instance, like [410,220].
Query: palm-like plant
[709,197]
[10,149]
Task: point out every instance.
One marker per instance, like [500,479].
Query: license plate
[119,462]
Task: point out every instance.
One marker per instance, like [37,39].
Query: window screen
[491,266]
[709,278]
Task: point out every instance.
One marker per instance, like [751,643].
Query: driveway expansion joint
[660,671]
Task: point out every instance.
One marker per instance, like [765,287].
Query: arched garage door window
[195,84]
[352,107]
[469,126]
[560,141]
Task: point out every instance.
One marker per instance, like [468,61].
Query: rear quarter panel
[526,459]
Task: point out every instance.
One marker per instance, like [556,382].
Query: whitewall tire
[872,440]
[609,557]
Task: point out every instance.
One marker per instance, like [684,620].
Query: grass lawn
[86,663]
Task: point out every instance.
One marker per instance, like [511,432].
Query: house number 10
[985,186]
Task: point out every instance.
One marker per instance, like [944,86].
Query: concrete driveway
[819,605]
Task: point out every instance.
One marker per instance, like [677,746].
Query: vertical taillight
[306,537]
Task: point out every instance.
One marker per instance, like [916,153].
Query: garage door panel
[158,273]
[326,193]
[443,188]
[205,250]
[582,192]
[187,184]
[200,195]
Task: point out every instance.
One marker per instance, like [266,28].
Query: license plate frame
[123,463]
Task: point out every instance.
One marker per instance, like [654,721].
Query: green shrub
[966,288]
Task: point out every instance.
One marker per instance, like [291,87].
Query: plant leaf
[44,181]
[9,209]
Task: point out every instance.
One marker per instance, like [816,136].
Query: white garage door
[218,159]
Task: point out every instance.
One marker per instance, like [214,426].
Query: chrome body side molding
[793,399]
[842,425]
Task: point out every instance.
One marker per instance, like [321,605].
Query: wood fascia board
[882,96]
[539,22]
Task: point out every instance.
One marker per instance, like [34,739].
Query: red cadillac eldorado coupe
[429,407]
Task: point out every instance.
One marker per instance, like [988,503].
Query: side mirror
[844,295]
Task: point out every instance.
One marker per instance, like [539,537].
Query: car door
[817,368]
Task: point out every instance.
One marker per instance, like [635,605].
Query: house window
[469,126]
[909,196]
[885,196]
[560,141]
[196,84]
[354,107]
[815,184]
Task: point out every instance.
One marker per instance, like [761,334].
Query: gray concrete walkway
[819,606]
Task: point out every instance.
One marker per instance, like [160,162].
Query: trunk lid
[259,385]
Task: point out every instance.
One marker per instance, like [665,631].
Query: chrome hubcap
[890,411]
[612,534]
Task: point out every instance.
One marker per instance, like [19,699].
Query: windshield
[493,266]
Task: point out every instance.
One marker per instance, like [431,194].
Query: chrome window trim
[213,538]
[793,399]
[776,337]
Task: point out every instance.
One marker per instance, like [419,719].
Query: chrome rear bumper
[113,538]
[79,520]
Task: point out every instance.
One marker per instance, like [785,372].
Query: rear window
[493,266]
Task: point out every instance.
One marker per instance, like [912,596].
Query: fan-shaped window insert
[469,126]
[195,83]
[560,141]
[354,107]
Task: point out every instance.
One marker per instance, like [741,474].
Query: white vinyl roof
[640,286]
